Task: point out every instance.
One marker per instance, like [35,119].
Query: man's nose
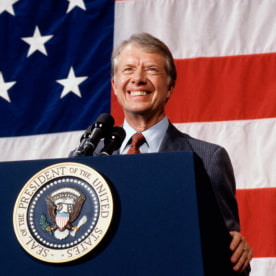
[139,76]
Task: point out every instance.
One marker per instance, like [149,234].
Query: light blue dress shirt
[153,136]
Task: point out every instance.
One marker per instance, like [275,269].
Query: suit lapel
[175,140]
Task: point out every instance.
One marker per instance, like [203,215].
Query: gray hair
[147,43]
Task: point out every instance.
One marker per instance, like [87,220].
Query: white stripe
[194,28]
[263,267]
[250,144]
[47,146]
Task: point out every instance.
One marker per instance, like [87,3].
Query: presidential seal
[63,212]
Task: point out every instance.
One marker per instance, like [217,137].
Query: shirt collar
[153,135]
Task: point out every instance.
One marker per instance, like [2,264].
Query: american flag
[55,81]
[54,70]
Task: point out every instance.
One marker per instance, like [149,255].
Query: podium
[166,220]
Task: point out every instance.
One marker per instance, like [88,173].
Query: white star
[7,5]
[4,87]
[75,3]
[36,42]
[71,84]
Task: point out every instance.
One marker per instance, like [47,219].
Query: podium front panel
[155,230]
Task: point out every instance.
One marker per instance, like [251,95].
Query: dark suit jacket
[218,168]
[217,165]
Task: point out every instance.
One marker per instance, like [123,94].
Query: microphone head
[101,128]
[105,122]
[114,141]
[86,134]
[118,134]
[105,118]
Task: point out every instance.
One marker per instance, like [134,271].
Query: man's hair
[150,44]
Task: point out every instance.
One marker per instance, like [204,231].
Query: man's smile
[138,93]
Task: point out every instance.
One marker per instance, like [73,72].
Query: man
[143,79]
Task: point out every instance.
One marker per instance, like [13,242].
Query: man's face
[141,82]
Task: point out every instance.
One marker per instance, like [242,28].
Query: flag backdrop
[55,81]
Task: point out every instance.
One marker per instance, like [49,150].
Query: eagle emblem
[64,206]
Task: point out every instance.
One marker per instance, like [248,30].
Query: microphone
[78,151]
[114,141]
[101,128]
[86,134]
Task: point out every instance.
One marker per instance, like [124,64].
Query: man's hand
[242,253]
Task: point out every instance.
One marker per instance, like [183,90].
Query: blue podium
[165,222]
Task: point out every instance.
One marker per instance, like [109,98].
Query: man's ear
[114,86]
[170,91]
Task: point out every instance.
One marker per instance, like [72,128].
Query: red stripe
[116,110]
[257,209]
[224,88]
[221,89]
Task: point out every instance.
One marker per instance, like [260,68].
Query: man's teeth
[138,93]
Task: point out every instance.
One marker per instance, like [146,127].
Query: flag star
[7,5]
[37,42]
[75,3]
[4,87]
[71,84]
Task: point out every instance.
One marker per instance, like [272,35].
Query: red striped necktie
[137,140]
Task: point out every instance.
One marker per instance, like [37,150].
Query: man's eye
[127,69]
[151,69]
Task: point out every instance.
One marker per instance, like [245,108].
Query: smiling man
[143,79]
[142,86]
